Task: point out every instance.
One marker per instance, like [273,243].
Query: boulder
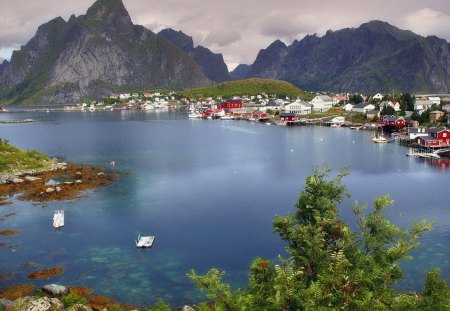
[50,190]
[78,181]
[55,290]
[101,174]
[7,304]
[187,308]
[31,178]
[41,304]
[79,307]
[58,189]
[18,180]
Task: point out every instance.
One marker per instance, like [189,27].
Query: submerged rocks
[44,274]
[17,180]
[17,291]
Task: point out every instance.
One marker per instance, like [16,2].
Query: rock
[58,189]
[18,174]
[7,304]
[49,190]
[187,308]
[18,180]
[32,178]
[79,173]
[79,307]
[41,304]
[101,174]
[78,181]
[55,290]
[17,291]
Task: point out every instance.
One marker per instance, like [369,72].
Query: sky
[236,28]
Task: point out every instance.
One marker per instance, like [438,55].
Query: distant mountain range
[375,57]
[103,52]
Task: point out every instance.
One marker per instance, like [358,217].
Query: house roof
[285,114]
[360,105]
[428,138]
[436,130]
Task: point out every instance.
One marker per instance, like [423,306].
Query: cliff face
[212,65]
[373,57]
[93,55]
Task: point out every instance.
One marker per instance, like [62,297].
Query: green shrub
[73,299]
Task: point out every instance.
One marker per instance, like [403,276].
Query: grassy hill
[14,159]
[249,87]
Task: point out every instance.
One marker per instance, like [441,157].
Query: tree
[355,99]
[330,267]
[387,110]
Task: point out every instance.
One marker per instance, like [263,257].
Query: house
[435,99]
[321,103]
[421,105]
[437,115]
[298,107]
[259,115]
[287,117]
[415,132]
[348,107]
[437,137]
[394,105]
[392,121]
[230,104]
[378,96]
[363,107]
[373,114]
[446,107]
[337,99]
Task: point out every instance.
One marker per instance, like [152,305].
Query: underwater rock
[47,273]
[99,302]
[10,232]
[80,291]
[17,291]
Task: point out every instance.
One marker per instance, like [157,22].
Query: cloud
[222,37]
[427,22]
[1,59]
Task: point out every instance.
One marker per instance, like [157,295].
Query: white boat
[144,241]
[195,115]
[58,219]
[381,139]
[227,117]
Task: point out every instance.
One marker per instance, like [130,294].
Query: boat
[58,219]
[381,139]
[145,241]
[195,115]
[226,117]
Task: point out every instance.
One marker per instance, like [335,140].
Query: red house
[231,104]
[259,115]
[437,137]
[287,117]
[393,121]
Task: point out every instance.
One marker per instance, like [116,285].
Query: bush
[73,299]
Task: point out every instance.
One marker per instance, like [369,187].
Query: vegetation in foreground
[250,87]
[13,159]
[330,267]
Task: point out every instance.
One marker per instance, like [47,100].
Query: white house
[435,99]
[348,107]
[337,99]
[395,105]
[446,107]
[378,96]
[298,107]
[363,107]
[423,104]
[321,103]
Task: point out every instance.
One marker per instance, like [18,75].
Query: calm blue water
[208,190]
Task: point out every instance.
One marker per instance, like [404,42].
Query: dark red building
[287,117]
[437,137]
[231,104]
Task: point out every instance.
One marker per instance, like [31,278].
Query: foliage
[355,99]
[435,295]
[73,299]
[330,267]
[387,110]
[160,305]
[249,87]
[115,307]
[15,159]
[407,101]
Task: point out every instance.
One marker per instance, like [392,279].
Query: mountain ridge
[375,56]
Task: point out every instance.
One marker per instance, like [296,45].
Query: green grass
[14,159]
[249,87]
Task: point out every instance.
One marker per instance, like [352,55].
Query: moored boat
[58,219]
[144,241]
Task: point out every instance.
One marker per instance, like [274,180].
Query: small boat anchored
[58,219]
[381,139]
[144,241]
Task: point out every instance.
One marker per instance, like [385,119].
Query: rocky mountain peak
[178,38]
[109,11]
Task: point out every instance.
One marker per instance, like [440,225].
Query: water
[208,190]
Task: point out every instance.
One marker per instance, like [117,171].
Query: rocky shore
[62,181]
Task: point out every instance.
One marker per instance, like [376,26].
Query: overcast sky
[236,28]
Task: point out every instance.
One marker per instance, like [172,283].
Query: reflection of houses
[298,107]
[321,103]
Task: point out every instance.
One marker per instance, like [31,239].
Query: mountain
[375,57]
[213,65]
[94,55]
[240,72]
